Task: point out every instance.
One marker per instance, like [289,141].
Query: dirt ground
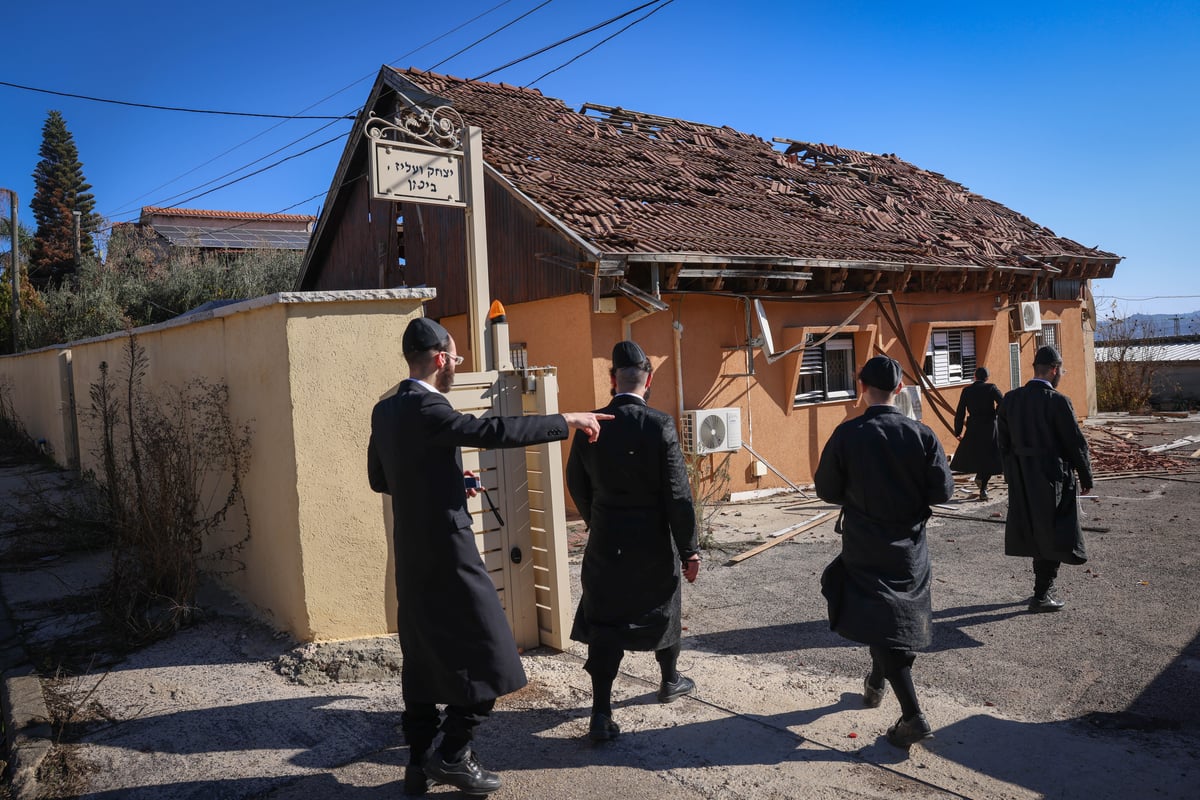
[1099,701]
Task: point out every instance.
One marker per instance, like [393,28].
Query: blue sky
[1085,117]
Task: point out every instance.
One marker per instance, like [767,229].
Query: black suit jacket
[631,487]
[458,648]
[1043,449]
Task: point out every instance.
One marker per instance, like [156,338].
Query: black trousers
[421,723]
[896,666]
[1044,573]
[603,663]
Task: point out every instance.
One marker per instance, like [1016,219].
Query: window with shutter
[951,356]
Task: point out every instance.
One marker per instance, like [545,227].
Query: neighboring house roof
[229,230]
[1158,350]
[634,187]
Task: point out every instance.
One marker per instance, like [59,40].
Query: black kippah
[424,334]
[627,354]
[1047,355]
[881,372]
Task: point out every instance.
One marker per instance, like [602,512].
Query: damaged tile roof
[632,183]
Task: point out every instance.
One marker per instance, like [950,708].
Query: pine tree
[59,190]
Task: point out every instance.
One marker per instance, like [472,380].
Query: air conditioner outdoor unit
[712,430]
[1031,317]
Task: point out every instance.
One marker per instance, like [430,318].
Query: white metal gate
[527,555]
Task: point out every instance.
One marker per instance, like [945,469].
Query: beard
[1054,381]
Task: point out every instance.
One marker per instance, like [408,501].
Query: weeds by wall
[709,479]
[15,441]
[173,464]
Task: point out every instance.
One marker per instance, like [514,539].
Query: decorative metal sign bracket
[440,127]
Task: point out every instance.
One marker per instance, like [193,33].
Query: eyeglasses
[457,360]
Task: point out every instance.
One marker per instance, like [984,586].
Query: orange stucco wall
[567,334]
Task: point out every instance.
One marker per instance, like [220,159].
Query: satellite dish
[712,432]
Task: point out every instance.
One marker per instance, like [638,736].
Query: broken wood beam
[781,536]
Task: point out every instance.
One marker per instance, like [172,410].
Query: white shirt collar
[426,385]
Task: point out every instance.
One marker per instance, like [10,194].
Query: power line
[561,42]
[1152,297]
[605,40]
[161,108]
[508,24]
[123,207]
[484,75]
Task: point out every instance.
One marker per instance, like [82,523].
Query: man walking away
[979,449]
[457,646]
[1043,449]
[632,490]
[885,471]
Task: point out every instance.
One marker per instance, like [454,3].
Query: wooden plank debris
[782,536]
[1158,448]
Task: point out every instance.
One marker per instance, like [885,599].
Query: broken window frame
[829,370]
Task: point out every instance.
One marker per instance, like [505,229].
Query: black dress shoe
[1046,602]
[907,732]
[603,729]
[670,691]
[467,775]
[872,697]
[416,782]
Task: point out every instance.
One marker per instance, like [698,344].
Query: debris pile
[1112,453]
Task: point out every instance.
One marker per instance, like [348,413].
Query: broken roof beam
[770,274]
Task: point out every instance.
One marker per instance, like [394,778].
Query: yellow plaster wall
[304,371]
[344,358]
[31,383]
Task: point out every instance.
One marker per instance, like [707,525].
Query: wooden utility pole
[477,258]
[14,269]
[77,215]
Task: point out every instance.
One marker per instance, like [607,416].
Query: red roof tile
[638,183]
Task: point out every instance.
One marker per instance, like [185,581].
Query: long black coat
[1043,449]
[885,471]
[458,648]
[631,487]
[979,450]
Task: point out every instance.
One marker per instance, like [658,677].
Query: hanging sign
[414,173]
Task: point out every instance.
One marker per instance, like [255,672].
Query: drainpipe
[628,320]
[678,328]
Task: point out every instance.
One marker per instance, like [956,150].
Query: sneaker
[467,775]
[602,728]
[907,732]
[872,697]
[670,691]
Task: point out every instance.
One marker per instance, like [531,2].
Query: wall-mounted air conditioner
[712,430]
[1031,317]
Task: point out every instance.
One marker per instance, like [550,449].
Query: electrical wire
[570,61]
[161,108]
[508,24]
[122,208]
[561,42]
[491,72]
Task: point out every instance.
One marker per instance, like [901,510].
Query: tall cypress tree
[59,190]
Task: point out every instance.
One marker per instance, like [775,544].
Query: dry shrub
[173,462]
[709,479]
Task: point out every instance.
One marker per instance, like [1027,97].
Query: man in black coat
[1043,449]
[457,645]
[979,449]
[631,488]
[885,471]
